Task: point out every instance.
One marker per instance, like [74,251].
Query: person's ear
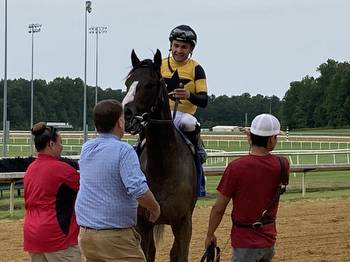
[50,143]
[247,133]
[120,121]
[271,142]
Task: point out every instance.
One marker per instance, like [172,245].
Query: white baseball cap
[265,125]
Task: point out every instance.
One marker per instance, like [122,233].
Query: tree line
[311,102]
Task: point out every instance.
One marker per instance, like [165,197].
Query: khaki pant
[111,245]
[71,254]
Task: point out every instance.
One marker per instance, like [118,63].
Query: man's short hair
[106,114]
[260,141]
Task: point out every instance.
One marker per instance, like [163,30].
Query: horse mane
[147,63]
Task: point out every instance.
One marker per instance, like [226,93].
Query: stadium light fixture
[97,30]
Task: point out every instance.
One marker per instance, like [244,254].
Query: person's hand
[209,239]
[154,214]
[180,93]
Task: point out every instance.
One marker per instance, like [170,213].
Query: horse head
[146,93]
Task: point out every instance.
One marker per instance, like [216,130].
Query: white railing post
[303,186]
[12,192]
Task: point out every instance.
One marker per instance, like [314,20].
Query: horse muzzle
[132,123]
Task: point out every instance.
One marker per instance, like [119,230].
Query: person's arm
[135,182]
[148,201]
[216,214]
[200,99]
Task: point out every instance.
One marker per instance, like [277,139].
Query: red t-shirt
[50,188]
[251,181]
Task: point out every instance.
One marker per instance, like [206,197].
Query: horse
[166,159]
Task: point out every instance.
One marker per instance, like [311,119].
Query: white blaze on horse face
[131,93]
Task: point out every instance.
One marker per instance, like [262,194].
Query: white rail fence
[75,141]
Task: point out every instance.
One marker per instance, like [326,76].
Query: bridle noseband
[148,117]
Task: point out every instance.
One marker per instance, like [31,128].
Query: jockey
[191,90]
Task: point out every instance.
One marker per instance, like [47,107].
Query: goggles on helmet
[183,35]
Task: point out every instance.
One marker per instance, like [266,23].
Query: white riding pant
[185,121]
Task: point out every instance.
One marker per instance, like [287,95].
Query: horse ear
[134,59]
[157,60]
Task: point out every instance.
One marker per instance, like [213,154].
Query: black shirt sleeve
[200,99]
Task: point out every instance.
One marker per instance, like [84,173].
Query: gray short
[253,254]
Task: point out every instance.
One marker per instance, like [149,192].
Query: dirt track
[309,230]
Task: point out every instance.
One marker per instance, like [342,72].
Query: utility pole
[87,10]
[33,28]
[4,117]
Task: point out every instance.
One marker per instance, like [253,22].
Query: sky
[244,46]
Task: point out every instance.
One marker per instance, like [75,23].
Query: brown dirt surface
[309,230]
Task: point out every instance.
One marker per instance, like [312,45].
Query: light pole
[87,10]
[97,30]
[33,28]
[4,117]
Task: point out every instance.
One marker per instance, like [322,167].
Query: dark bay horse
[166,160]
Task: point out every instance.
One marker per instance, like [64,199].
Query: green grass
[321,131]
[5,205]
[318,185]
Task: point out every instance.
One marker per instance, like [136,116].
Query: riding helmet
[184,33]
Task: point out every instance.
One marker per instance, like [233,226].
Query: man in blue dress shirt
[111,187]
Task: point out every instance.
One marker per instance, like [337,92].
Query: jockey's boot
[196,140]
[201,150]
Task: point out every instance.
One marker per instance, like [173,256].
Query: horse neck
[162,111]
[161,143]
[161,130]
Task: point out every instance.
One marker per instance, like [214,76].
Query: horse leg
[145,229]
[182,231]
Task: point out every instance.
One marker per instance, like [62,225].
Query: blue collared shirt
[110,182]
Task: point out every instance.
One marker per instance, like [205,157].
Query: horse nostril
[127,113]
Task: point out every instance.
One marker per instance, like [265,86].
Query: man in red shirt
[252,182]
[50,187]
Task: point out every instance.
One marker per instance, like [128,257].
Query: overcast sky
[254,46]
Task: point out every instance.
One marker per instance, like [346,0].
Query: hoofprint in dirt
[309,230]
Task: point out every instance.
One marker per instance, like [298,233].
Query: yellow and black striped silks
[191,75]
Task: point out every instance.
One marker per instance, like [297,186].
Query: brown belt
[97,229]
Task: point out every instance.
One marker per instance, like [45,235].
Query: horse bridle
[146,118]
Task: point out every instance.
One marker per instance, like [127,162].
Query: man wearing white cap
[254,183]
